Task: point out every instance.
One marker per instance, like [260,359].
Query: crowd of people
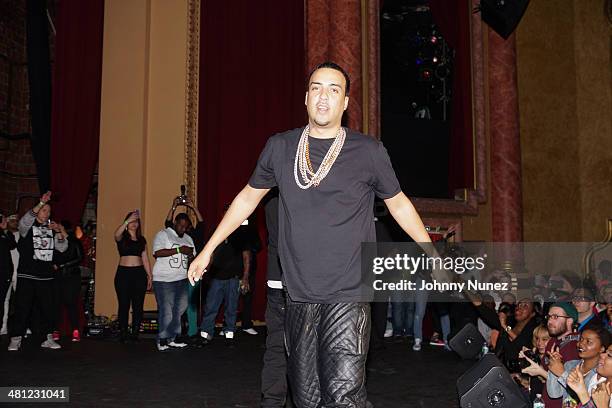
[557,351]
[41,263]
[318,322]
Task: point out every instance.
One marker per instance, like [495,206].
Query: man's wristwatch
[508,329]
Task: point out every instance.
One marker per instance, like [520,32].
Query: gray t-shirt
[321,229]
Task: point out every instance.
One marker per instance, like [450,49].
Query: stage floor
[105,373]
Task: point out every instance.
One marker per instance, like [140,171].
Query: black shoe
[197,341]
[123,336]
[134,338]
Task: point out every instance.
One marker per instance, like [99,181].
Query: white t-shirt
[170,268]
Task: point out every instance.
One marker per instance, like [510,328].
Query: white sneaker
[221,333]
[417,345]
[15,344]
[250,331]
[174,344]
[388,333]
[50,343]
[205,335]
[229,335]
[162,347]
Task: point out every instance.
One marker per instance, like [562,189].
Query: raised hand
[534,369]
[133,217]
[601,395]
[575,381]
[198,266]
[46,197]
[555,362]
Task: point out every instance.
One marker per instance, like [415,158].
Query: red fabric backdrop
[75,106]
[252,85]
[453,19]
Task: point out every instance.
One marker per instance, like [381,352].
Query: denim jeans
[192,308]
[220,291]
[420,305]
[402,317]
[171,300]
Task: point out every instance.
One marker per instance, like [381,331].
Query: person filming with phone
[133,278]
[39,238]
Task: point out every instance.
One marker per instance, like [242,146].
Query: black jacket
[68,262]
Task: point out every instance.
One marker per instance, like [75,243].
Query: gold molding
[192,85]
[587,262]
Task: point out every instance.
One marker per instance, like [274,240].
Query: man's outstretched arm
[243,205]
[407,217]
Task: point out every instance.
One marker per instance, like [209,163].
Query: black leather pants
[327,346]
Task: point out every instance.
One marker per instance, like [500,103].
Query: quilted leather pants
[327,346]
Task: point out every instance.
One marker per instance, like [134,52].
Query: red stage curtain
[252,85]
[75,106]
[453,19]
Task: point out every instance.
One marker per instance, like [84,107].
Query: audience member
[133,278]
[172,249]
[229,266]
[7,244]
[584,302]
[197,235]
[39,239]
[563,344]
[252,242]
[593,342]
[68,283]
[596,392]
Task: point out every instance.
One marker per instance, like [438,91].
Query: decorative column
[506,188]
[334,33]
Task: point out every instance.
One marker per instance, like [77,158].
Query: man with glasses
[563,342]
[584,302]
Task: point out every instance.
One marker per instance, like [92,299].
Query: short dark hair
[601,332]
[181,216]
[332,65]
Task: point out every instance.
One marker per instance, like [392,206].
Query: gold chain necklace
[304,165]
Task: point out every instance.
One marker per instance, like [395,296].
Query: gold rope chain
[304,165]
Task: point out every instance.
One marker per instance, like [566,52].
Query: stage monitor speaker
[503,15]
[489,385]
[467,342]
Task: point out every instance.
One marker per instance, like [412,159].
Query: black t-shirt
[271,209]
[321,229]
[227,260]
[130,247]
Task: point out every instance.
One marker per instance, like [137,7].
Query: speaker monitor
[503,15]
[467,342]
[488,384]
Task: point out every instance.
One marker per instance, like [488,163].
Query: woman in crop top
[133,276]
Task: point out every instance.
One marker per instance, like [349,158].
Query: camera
[532,356]
[183,197]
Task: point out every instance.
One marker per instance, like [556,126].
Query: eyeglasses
[555,317]
[522,306]
[581,299]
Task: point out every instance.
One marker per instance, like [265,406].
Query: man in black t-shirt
[230,264]
[327,178]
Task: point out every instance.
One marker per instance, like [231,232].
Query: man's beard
[561,330]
